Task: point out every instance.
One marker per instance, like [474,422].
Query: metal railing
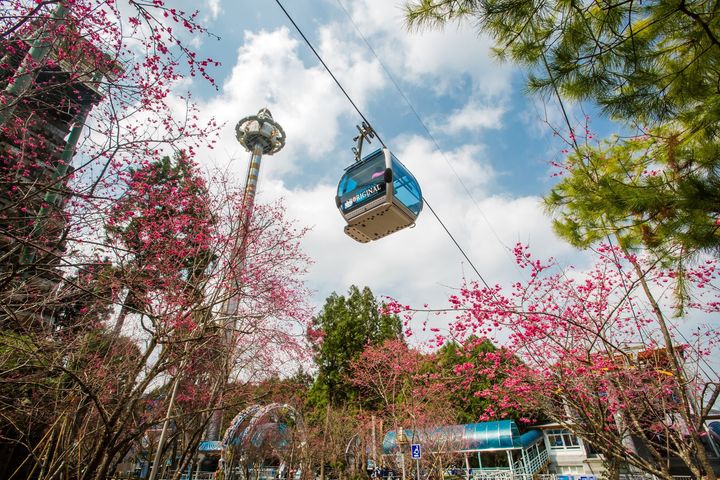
[647,476]
[506,475]
[270,473]
[184,476]
[536,463]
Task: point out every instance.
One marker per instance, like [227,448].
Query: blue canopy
[500,435]
[530,437]
[714,428]
[210,446]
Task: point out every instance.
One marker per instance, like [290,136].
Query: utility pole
[166,423]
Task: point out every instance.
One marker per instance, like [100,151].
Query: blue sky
[491,135]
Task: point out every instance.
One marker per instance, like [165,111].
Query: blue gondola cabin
[378,196]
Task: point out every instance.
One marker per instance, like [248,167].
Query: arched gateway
[261,439]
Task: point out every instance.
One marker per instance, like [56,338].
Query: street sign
[415,450]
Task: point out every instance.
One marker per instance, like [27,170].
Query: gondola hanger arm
[366,134]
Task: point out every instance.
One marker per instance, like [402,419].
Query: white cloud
[438,57]
[418,265]
[421,265]
[214,8]
[472,117]
[302,98]
[360,77]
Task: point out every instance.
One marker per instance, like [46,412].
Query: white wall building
[569,454]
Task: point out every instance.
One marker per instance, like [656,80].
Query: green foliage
[653,64]
[292,389]
[660,191]
[346,325]
[17,351]
[470,368]
[161,228]
[84,300]
[640,61]
[469,407]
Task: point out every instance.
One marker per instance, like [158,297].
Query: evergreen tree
[453,359]
[652,64]
[642,61]
[160,229]
[660,192]
[342,329]
[469,370]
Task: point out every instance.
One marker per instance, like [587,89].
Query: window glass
[370,170]
[562,440]
[591,450]
[571,469]
[406,188]
[362,183]
[497,459]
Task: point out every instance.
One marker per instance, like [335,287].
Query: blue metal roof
[530,437]
[210,446]
[500,435]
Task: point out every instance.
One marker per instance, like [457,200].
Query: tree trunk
[324,444]
[677,370]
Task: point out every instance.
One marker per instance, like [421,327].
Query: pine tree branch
[696,17]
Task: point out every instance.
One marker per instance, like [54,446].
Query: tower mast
[260,135]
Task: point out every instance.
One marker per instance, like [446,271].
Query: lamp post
[402,441]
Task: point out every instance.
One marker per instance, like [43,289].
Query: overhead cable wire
[456,244]
[327,68]
[576,148]
[435,142]
[337,82]
[421,122]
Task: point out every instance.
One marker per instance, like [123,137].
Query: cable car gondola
[377,195]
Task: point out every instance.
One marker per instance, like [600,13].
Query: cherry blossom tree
[601,355]
[86,97]
[116,261]
[87,93]
[397,384]
[171,239]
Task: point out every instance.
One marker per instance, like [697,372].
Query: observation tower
[260,135]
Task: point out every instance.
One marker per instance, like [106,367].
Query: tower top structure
[260,134]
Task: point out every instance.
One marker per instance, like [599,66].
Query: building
[474,449]
[48,92]
[569,454]
[45,97]
[656,418]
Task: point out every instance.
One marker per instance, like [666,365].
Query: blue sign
[415,450]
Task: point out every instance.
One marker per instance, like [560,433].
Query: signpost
[416,453]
